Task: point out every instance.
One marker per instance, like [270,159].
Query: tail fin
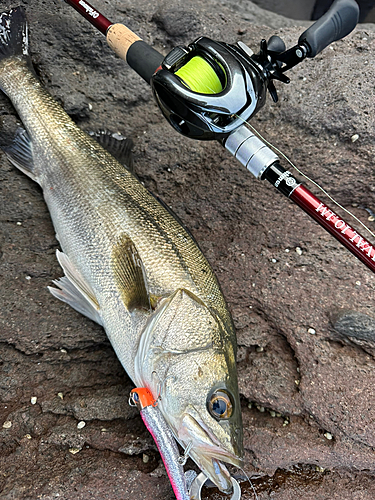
[13,34]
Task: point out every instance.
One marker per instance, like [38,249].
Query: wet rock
[107,404]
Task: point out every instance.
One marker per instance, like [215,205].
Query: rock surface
[285,279]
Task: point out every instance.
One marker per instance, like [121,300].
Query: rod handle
[338,22]
[120,39]
[140,56]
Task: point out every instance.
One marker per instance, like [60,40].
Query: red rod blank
[335,225]
[91,14]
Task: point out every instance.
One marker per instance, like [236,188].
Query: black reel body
[244,77]
[210,116]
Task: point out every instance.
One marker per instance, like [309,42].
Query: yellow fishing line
[200,76]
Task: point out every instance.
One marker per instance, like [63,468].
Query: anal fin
[73,290]
[130,274]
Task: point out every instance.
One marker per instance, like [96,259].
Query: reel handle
[338,22]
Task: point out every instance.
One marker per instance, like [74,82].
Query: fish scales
[99,188]
[140,270]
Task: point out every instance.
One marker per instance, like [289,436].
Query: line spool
[199,76]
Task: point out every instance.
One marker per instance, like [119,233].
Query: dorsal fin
[117,145]
[130,274]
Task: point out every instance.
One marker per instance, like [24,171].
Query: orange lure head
[141,397]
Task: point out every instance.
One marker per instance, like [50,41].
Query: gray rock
[76,105]
[177,22]
[356,329]
[252,12]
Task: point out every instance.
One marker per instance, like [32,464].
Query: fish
[132,267]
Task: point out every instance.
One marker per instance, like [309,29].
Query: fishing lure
[163,437]
[152,417]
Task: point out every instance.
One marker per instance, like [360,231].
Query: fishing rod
[209,90]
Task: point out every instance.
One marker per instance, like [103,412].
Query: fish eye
[220,405]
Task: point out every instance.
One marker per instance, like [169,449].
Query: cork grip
[120,38]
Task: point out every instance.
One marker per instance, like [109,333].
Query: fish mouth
[208,452]
[216,471]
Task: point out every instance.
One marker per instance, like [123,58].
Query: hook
[196,488]
[183,458]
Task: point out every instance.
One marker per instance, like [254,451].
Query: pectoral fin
[73,290]
[130,274]
[20,153]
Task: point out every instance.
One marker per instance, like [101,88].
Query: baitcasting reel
[243,77]
[209,115]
